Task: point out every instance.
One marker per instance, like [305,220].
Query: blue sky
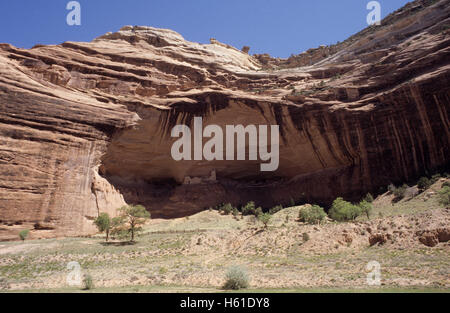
[277,27]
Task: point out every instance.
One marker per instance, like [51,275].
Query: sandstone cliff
[85,127]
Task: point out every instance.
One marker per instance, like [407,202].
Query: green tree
[366,208]
[312,214]
[103,223]
[130,220]
[24,234]
[342,210]
[118,227]
[265,218]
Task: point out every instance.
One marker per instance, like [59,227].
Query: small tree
[24,234]
[366,208]
[424,183]
[118,227]
[251,209]
[132,217]
[103,223]
[227,208]
[312,215]
[342,210]
[399,192]
[265,218]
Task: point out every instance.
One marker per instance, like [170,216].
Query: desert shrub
[399,192]
[248,209]
[235,211]
[226,209]
[24,234]
[305,237]
[342,210]
[275,209]
[251,209]
[258,211]
[88,282]
[368,198]
[424,183]
[366,208]
[435,178]
[444,196]
[446,184]
[265,218]
[236,278]
[312,215]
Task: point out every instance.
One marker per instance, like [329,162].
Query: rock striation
[85,127]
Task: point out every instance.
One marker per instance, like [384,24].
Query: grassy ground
[192,255]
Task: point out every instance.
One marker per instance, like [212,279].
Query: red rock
[85,127]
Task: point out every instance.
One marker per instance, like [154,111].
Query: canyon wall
[85,127]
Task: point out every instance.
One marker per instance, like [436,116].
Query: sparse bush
[305,237]
[424,183]
[342,210]
[444,196]
[435,178]
[258,212]
[446,184]
[236,278]
[103,223]
[24,234]
[265,218]
[366,208]
[368,198]
[88,282]
[312,215]
[226,209]
[250,209]
[275,209]
[399,192]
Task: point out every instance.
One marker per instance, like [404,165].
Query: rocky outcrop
[432,237]
[85,127]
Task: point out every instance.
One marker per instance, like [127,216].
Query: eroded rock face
[85,127]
